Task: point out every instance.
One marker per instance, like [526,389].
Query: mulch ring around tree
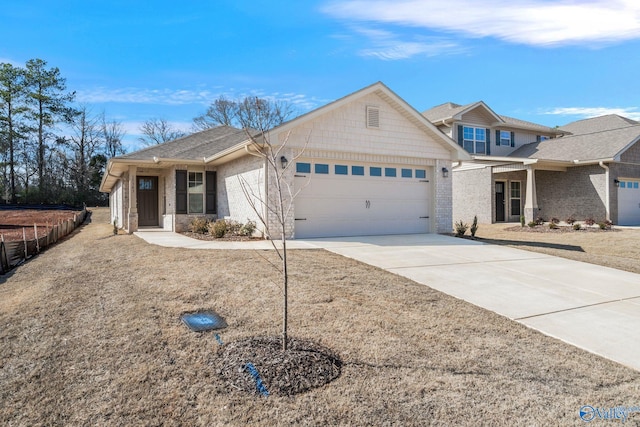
[304,366]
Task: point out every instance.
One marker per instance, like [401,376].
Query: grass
[90,335]
[618,248]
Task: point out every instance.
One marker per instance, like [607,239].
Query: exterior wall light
[445,172]
[284,162]
[616,181]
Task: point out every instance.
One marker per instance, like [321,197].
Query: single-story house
[365,164]
[586,169]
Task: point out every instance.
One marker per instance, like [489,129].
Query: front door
[147,201]
[500,213]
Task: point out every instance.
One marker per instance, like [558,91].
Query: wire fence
[15,252]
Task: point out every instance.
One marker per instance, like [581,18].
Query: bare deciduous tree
[273,210]
[251,112]
[158,130]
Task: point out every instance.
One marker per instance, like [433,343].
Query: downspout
[607,204]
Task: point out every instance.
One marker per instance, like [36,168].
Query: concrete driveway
[592,307]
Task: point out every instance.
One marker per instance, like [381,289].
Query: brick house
[367,163]
[586,169]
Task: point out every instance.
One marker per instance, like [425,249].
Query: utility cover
[204,321]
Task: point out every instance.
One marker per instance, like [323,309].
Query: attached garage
[343,199]
[629,202]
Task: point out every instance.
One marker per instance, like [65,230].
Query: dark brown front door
[500,217]
[147,201]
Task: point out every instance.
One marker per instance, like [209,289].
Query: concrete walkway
[592,307]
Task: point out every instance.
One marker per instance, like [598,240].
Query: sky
[549,62]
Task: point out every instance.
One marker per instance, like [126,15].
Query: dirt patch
[90,334]
[12,222]
[226,238]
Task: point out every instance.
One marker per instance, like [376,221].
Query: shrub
[539,220]
[570,220]
[532,224]
[554,221]
[589,221]
[474,226]
[115,226]
[233,227]
[460,228]
[522,221]
[605,225]
[553,225]
[248,228]
[218,229]
[199,225]
[577,226]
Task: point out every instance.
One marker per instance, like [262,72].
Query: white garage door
[347,199]
[629,202]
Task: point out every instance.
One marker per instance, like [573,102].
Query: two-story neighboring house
[587,169]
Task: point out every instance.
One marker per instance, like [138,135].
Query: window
[196,192]
[357,170]
[303,167]
[145,184]
[342,170]
[374,171]
[515,198]
[321,168]
[635,185]
[391,172]
[474,139]
[505,137]
[622,184]
[407,173]
[421,173]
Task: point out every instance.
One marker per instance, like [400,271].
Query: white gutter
[607,205]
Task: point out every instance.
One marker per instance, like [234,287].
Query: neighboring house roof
[196,146]
[603,145]
[597,124]
[449,112]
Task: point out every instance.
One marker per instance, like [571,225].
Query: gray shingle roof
[450,109]
[597,124]
[193,147]
[600,145]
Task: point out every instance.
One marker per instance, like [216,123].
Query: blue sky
[550,62]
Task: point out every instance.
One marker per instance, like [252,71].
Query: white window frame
[505,138]
[475,140]
[193,190]
[511,198]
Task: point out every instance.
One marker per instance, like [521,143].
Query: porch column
[530,200]
[132,213]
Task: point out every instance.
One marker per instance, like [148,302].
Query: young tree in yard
[156,131]
[257,116]
[48,102]
[12,110]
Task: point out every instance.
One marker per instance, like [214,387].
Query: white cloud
[390,46]
[632,113]
[176,97]
[530,22]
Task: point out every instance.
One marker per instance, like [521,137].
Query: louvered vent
[373,117]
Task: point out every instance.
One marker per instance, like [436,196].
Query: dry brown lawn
[617,248]
[90,335]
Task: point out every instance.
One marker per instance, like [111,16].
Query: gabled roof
[605,145]
[196,146]
[396,102]
[597,124]
[450,112]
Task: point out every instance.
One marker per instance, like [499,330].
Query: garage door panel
[338,205]
[629,202]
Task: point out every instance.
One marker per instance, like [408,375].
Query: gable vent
[373,117]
